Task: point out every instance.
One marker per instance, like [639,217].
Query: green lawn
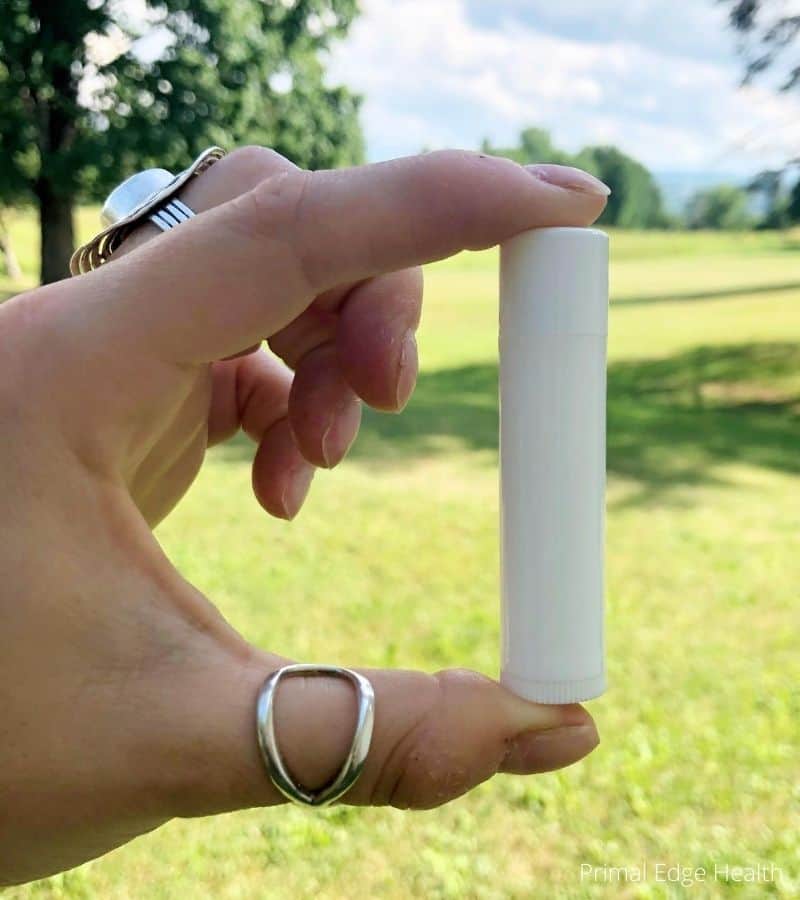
[394,562]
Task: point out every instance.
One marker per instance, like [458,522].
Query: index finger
[240,272]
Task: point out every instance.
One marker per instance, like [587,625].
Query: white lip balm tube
[553,336]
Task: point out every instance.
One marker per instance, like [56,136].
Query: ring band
[172,214]
[354,762]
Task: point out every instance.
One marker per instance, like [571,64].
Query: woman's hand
[125,698]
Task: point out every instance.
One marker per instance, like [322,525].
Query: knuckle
[274,212]
[463,681]
[455,185]
[470,166]
[25,338]
[456,157]
[466,160]
[432,776]
[424,770]
[391,788]
[52,352]
[252,164]
[275,205]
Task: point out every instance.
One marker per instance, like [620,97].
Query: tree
[535,146]
[769,29]
[635,200]
[793,205]
[721,208]
[92,90]
[769,186]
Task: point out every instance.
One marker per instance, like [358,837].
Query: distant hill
[678,187]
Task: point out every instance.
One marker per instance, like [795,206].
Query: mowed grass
[394,562]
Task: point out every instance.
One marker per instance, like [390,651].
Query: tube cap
[569,267]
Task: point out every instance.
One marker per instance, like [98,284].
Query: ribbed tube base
[555,691]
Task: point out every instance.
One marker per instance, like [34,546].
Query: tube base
[555,692]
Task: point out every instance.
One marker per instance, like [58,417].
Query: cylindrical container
[553,336]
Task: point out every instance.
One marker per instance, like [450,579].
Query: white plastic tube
[553,335]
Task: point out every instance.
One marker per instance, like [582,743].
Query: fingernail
[543,751]
[341,432]
[296,489]
[406,370]
[570,179]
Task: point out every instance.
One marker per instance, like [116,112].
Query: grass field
[394,562]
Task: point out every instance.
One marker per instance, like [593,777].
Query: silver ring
[354,762]
[172,214]
[146,195]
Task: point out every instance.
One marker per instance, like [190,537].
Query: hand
[126,698]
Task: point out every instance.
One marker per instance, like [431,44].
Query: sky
[658,78]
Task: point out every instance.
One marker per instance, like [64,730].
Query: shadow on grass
[717,294]
[671,421]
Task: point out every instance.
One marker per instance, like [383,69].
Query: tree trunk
[7,249]
[56,230]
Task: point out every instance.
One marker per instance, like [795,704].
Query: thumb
[435,736]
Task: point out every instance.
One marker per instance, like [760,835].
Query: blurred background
[691,113]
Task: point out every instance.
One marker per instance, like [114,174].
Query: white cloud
[435,74]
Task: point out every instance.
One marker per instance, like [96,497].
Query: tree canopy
[635,201]
[722,208]
[769,28]
[92,90]
[535,145]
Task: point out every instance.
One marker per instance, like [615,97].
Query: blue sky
[657,77]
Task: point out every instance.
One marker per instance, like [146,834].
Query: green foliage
[394,562]
[91,91]
[769,187]
[635,200]
[769,29]
[793,204]
[721,208]
[535,146]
